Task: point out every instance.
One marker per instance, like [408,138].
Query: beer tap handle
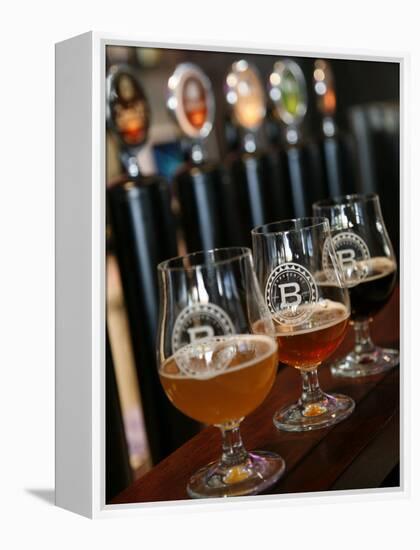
[191,102]
[249,168]
[334,149]
[287,91]
[204,199]
[128,115]
[324,87]
[245,96]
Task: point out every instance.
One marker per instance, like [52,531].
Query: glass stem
[363,342]
[233,449]
[311,392]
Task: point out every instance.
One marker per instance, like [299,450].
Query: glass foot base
[259,471]
[298,417]
[356,365]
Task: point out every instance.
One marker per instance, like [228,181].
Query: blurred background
[318,128]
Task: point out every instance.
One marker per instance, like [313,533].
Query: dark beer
[374,290]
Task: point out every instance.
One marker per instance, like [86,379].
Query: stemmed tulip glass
[370,269]
[303,286]
[212,367]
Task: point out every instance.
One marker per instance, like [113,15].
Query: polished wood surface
[357,453]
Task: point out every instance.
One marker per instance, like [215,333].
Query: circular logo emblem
[128,109]
[245,93]
[291,293]
[352,253]
[194,102]
[191,100]
[200,321]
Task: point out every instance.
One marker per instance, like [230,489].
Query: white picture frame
[80,275]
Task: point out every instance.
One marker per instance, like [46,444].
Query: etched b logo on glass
[352,253]
[291,293]
[200,321]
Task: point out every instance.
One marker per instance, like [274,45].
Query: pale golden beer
[221,379]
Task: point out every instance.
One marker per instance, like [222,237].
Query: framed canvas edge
[73,275]
[99,509]
[253,502]
[406,358]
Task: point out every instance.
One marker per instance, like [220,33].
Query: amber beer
[309,344]
[373,292]
[223,383]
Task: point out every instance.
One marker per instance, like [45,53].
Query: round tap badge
[353,255]
[245,93]
[128,110]
[200,321]
[287,90]
[323,80]
[291,293]
[191,100]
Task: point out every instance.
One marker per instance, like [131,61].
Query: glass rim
[238,252]
[345,200]
[312,222]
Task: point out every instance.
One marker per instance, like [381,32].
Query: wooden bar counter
[358,453]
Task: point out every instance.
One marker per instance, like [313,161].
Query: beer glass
[210,365]
[298,270]
[370,270]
